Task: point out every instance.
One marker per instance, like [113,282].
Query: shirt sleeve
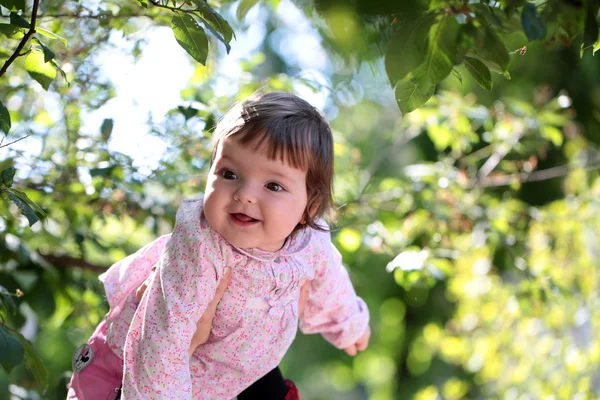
[156,360]
[333,308]
[127,274]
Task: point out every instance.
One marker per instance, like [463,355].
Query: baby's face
[252,201]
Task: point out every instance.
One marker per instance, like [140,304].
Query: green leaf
[469,37]
[59,69]
[492,52]
[11,350]
[38,69]
[13,4]
[408,47]
[12,31]
[441,52]
[480,72]
[48,54]
[32,359]
[457,75]
[7,176]
[596,47]
[532,23]
[51,35]
[16,19]
[143,3]
[30,210]
[191,37]
[5,123]
[216,21]
[7,301]
[411,95]
[244,7]
[590,30]
[35,363]
[216,34]
[188,112]
[106,129]
[103,172]
[553,134]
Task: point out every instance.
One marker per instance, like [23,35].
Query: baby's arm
[125,275]
[333,308]
[204,325]
[156,357]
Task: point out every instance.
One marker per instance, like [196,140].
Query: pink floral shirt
[255,323]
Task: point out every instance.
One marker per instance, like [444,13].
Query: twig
[15,141]
[499,154]
[524,177]
[366,176]
[157,4]
[94,16]
[26,37]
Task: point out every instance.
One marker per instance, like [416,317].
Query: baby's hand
[360,344]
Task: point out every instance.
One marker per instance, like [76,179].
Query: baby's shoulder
[320,240]
[190,218]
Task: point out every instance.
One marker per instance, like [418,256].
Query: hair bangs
[286,142]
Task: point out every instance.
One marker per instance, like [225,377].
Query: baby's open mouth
[243,217]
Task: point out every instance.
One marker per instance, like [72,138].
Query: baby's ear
[311,209]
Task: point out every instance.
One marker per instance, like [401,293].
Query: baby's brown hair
[294,132]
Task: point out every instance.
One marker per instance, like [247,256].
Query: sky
[139,91]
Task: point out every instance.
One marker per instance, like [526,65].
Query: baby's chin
[253,244]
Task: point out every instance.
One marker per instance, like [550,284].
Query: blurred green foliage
[470,226]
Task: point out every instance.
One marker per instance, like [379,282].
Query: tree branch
[524,177]
[26,37]
[68,261]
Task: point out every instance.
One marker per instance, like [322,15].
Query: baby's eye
[274,187]
[228,174]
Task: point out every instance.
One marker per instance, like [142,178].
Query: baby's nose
[245,194]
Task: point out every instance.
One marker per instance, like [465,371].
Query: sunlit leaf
[191,37]
[553,134]
[30,210]
[48,54]
[51,35]
[38,69]
[532,23]
[243,7]
[411,95]
[457,74]
[12,31]
[5,123]
[441,52]
[216,21]
[11,350]
[59,69]
[480,72]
